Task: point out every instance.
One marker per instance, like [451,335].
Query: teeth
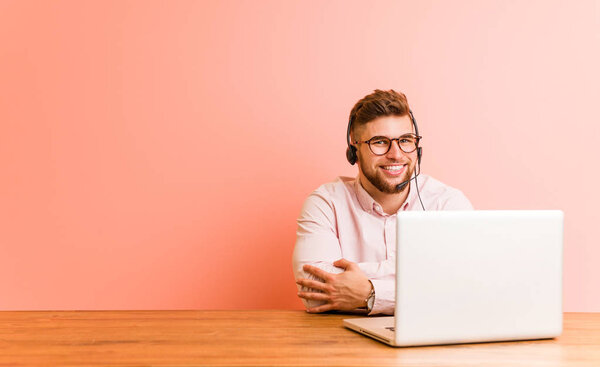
[393,168]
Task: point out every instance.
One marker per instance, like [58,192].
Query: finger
[317,272]
[322,308]
[344,264]
[314,284]
[314,296]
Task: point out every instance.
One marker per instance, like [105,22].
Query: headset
[352,157]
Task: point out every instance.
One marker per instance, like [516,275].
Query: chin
[391,185]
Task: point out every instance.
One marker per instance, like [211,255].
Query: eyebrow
[412,135]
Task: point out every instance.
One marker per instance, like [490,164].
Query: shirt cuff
[384,296]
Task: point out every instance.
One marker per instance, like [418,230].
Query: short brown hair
[377,104]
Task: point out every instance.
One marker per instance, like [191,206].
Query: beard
[382,183]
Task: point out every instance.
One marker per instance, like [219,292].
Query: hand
[342,292]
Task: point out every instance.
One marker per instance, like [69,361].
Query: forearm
[381,275]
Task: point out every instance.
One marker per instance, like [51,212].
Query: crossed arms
[327,279]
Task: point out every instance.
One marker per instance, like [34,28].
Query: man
[344,258]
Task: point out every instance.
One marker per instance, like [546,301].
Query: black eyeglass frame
[416,137]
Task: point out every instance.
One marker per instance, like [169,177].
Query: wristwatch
[370,299]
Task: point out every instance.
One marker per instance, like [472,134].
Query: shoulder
[330,195]
[336,188]
[443,196]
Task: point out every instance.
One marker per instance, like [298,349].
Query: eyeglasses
[380,145]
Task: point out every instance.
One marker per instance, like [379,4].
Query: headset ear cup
[419,154]
[351,155]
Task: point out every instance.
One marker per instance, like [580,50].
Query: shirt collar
[371,206]
[364,199]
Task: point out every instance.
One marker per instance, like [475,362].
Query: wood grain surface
[258,338]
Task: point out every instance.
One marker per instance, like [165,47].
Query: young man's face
[386,171]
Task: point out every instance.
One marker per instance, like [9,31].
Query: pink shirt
[341,220]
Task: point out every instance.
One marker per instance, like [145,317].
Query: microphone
[403,184]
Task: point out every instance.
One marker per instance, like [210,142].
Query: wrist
[370,300]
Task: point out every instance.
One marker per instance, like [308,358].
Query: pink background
[155,155]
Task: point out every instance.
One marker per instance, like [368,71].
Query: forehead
[390,126]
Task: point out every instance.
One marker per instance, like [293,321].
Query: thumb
[343,263]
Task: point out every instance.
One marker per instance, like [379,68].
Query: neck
[390,203]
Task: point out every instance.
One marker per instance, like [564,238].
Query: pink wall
[156,154]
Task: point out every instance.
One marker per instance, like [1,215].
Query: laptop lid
[469,276]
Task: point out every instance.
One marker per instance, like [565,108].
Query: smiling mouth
[395,169]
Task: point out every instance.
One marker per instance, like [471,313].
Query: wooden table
[257,338]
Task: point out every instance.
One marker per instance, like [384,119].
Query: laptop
[473,276]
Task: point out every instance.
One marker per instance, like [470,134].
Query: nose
[395,151]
